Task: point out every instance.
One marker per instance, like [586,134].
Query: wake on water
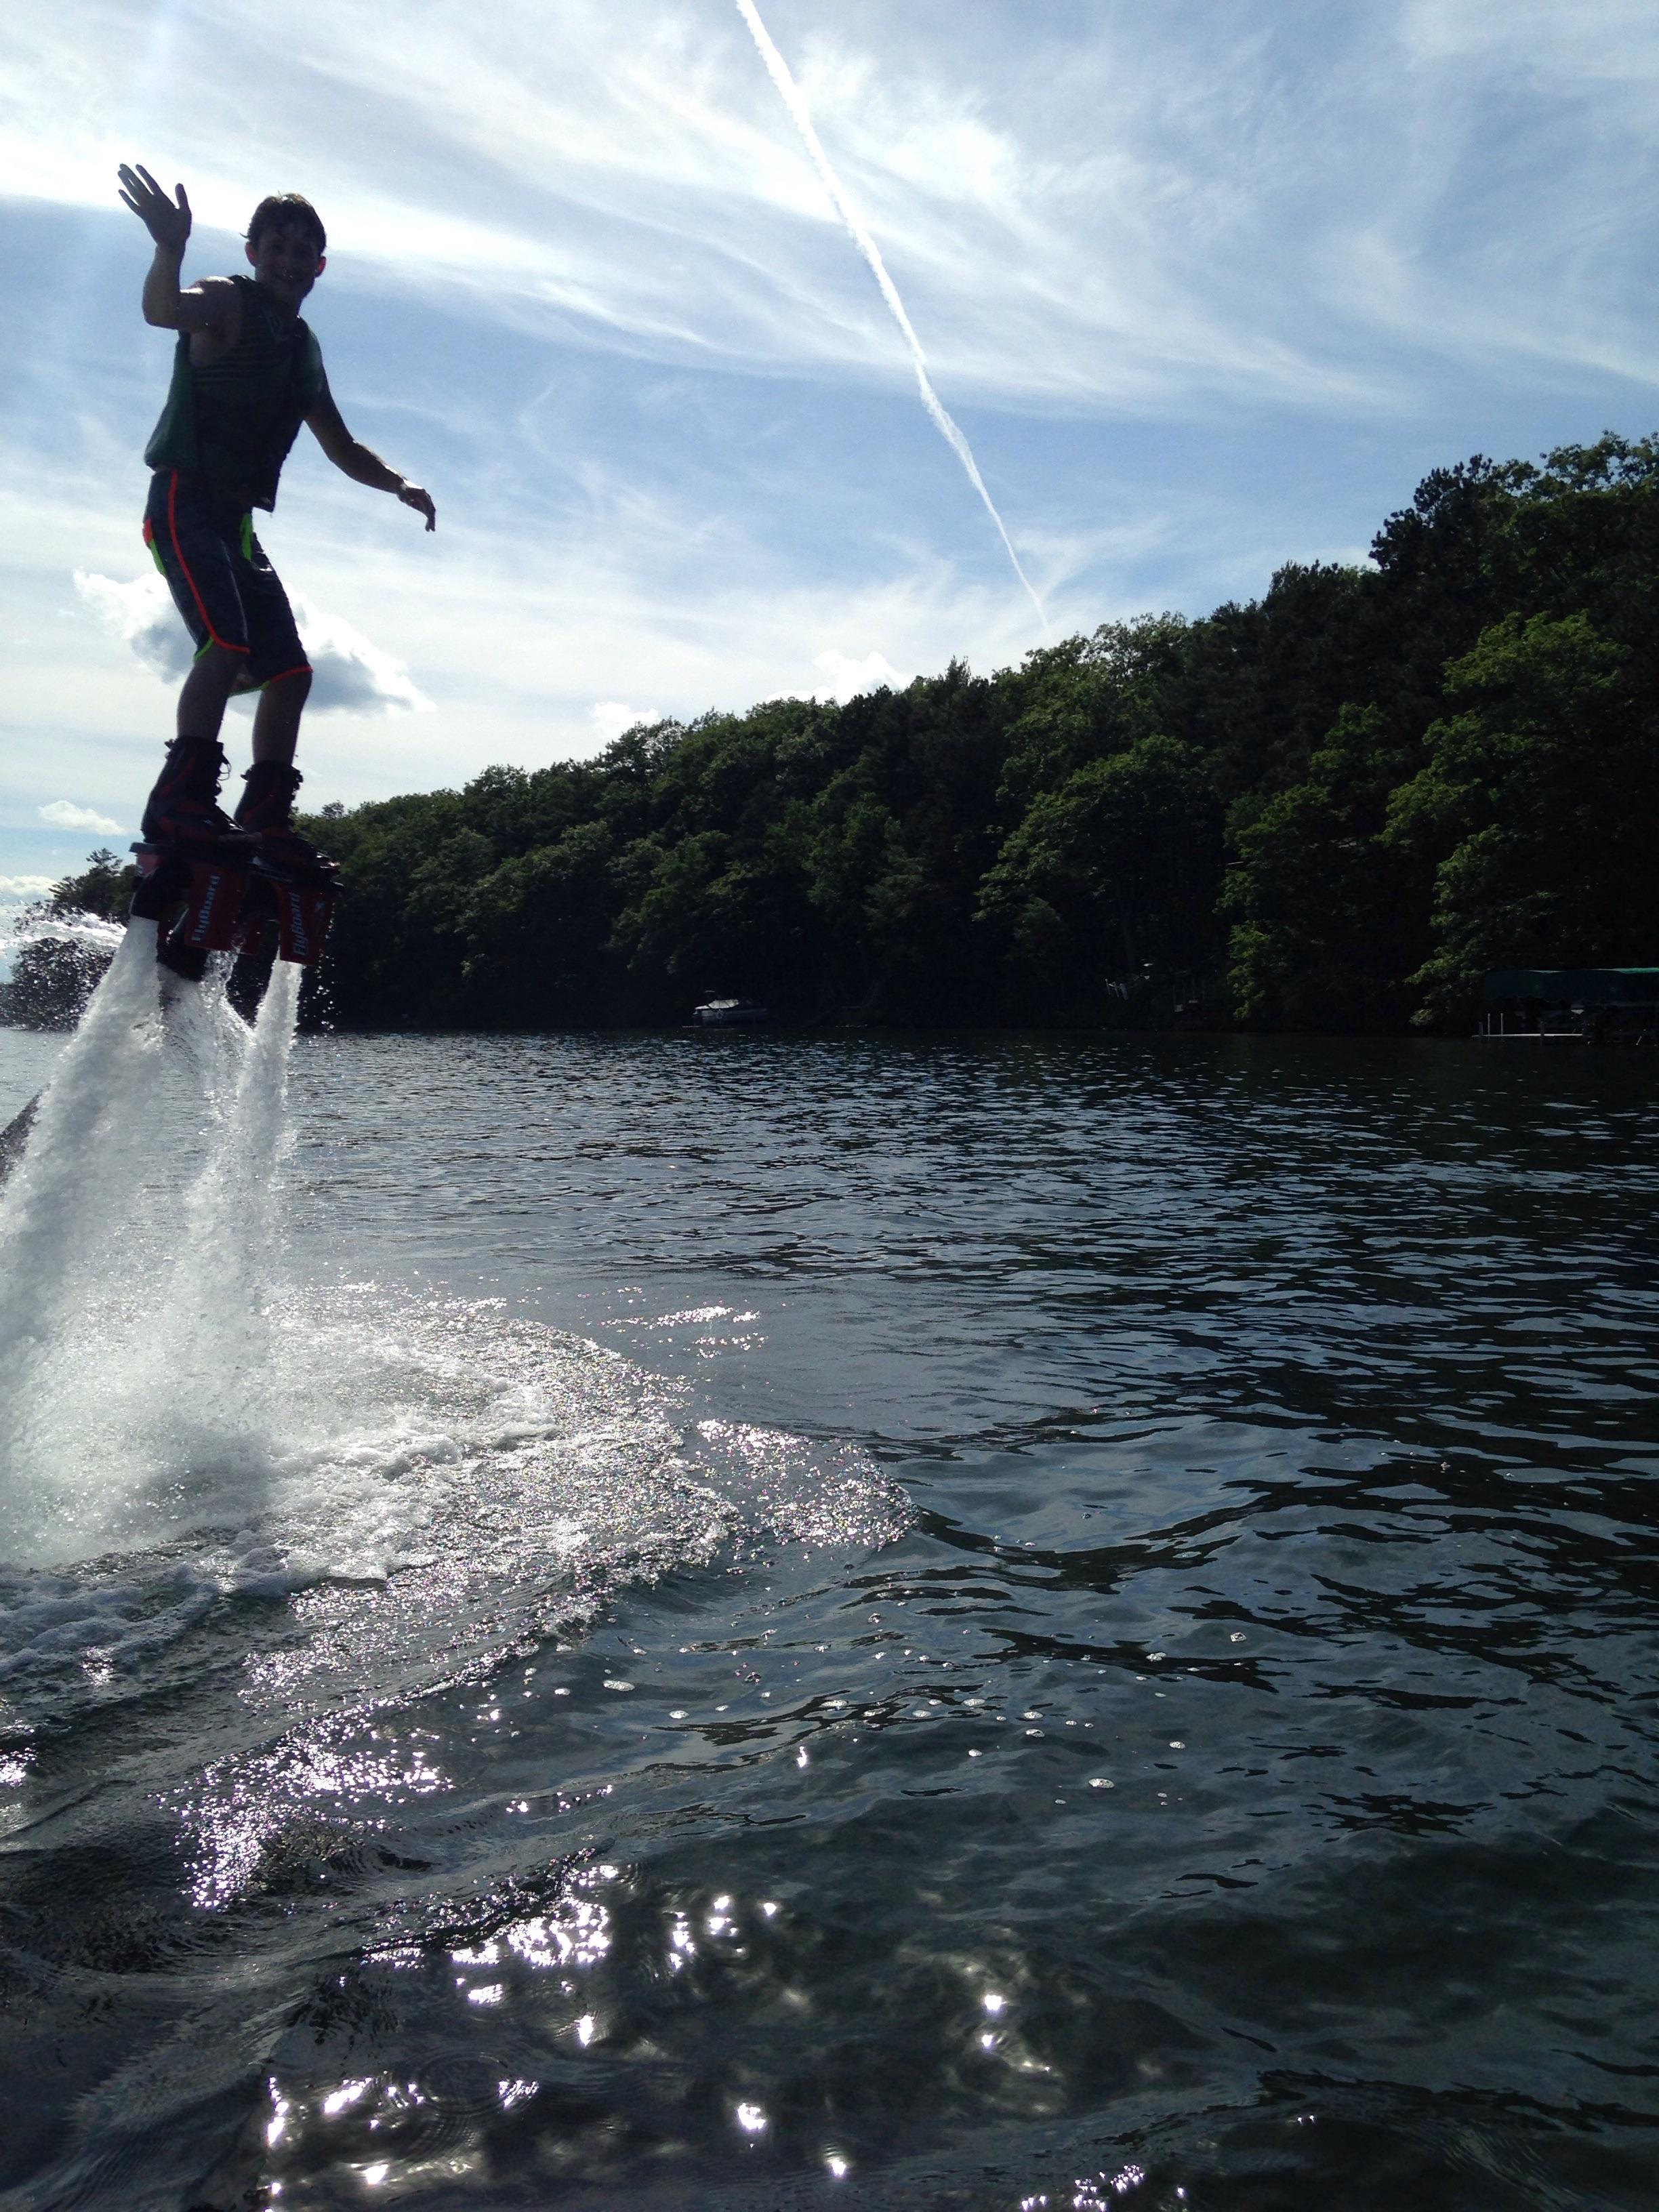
[184,1427]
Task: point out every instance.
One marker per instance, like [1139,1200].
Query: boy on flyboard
[246,372]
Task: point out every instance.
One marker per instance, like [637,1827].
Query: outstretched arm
[204,306]
[362,466]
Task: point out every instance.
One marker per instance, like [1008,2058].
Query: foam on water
[185,1425]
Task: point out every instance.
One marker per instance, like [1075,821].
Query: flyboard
[250,896]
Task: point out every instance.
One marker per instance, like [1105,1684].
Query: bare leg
[277,718]
[206,690]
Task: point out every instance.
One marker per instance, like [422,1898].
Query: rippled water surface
[763,1622]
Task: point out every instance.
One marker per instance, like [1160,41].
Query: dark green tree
[1329,917]
[1538,801]
[1111,881]
[1434,763]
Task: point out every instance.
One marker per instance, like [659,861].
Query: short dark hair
[278,210]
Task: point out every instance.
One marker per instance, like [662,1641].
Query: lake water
[917,1622]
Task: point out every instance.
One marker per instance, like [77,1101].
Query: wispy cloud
[778,70]
[1108,206]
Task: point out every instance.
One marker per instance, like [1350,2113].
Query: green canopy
[1576,986]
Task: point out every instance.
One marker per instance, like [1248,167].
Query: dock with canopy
[1568,1005]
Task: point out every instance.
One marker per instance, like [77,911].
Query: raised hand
[167,224]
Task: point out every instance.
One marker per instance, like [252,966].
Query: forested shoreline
[1333,808]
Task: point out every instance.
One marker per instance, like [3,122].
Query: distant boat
[730,1014]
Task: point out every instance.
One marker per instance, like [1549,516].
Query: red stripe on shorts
[179,556]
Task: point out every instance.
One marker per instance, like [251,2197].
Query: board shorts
[221,583]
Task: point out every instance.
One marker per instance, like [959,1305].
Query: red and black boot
[190,859]
[266,808]
[301,883]
[183,814]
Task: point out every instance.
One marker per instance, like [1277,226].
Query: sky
[1205,287]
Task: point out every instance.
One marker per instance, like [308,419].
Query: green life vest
[229,422]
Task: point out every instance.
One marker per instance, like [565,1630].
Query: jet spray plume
[778,70]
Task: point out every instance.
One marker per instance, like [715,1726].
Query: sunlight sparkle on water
[576,1933]
[254,1815]
[359,1771]
[347,2093]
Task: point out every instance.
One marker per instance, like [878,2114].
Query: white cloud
[63,814]
[24,888]
[141,613]
[848,677]
[350,674]
[611,717]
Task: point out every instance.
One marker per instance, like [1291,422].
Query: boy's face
[285,262]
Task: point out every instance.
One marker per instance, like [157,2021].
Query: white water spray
[31,926]
[139,1251]
[186,1414]
[220,1306]
[778,71]
[60,1195]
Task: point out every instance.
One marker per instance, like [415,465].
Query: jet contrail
[778,71]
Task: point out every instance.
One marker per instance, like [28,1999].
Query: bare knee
[206,689]
[276,719]
[281,701]
[215,668]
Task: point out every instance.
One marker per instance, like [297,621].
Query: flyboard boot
[293,882]
[194,862]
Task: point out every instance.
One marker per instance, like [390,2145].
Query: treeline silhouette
[1333,808]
